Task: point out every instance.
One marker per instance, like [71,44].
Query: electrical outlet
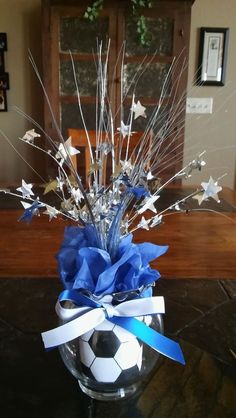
[199,105]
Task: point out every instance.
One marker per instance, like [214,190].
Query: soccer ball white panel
[86,353]
[85,337]
[105,370]
[128,354]
[122,334]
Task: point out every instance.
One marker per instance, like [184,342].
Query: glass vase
[109,362]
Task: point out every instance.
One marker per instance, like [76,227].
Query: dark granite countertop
[200,314]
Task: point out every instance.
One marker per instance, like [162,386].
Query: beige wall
[20,19]
[217,132]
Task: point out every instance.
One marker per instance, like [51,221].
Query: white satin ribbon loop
[65,314]
[140,307]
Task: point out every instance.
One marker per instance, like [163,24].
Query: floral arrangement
[99,264]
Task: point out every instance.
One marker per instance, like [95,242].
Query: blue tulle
[82,265]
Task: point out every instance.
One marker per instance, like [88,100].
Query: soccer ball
[109,353]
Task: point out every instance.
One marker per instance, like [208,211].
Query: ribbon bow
[90,314]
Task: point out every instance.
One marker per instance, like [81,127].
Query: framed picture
[2,67]
[3,101]
[4,81]
[3,41]
[212,56]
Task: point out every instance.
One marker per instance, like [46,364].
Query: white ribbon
[87,318]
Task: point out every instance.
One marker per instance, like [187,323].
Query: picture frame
[3,101]
[4,81]
[3,41]
[2,65]
[212,56]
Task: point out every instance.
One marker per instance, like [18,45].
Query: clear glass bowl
[110,362]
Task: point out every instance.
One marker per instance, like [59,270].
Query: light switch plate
[199,105]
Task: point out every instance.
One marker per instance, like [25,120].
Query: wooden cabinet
[65,29]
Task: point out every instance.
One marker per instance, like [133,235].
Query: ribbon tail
[73,329]
[154,339]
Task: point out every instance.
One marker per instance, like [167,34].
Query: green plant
[93,11]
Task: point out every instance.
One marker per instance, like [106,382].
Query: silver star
[51,211]
[77,195]
[199,198]
[30,135]
[156,221]
[138,110]
[149,204]
[127,167]
[65,149]
[211,189]
[74,212]
[60,182]
[66,205]
[25,205]
[196,164]
[144,223]
[124,129]
[25,189]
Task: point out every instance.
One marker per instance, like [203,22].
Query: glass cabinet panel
[79,35]
[149,80]
[86,75]
[160,32]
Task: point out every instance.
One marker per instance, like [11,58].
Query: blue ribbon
[154,339]
[78,299]
[149,336]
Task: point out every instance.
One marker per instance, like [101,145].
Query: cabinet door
[73,37]
[135,69]
[168,25]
